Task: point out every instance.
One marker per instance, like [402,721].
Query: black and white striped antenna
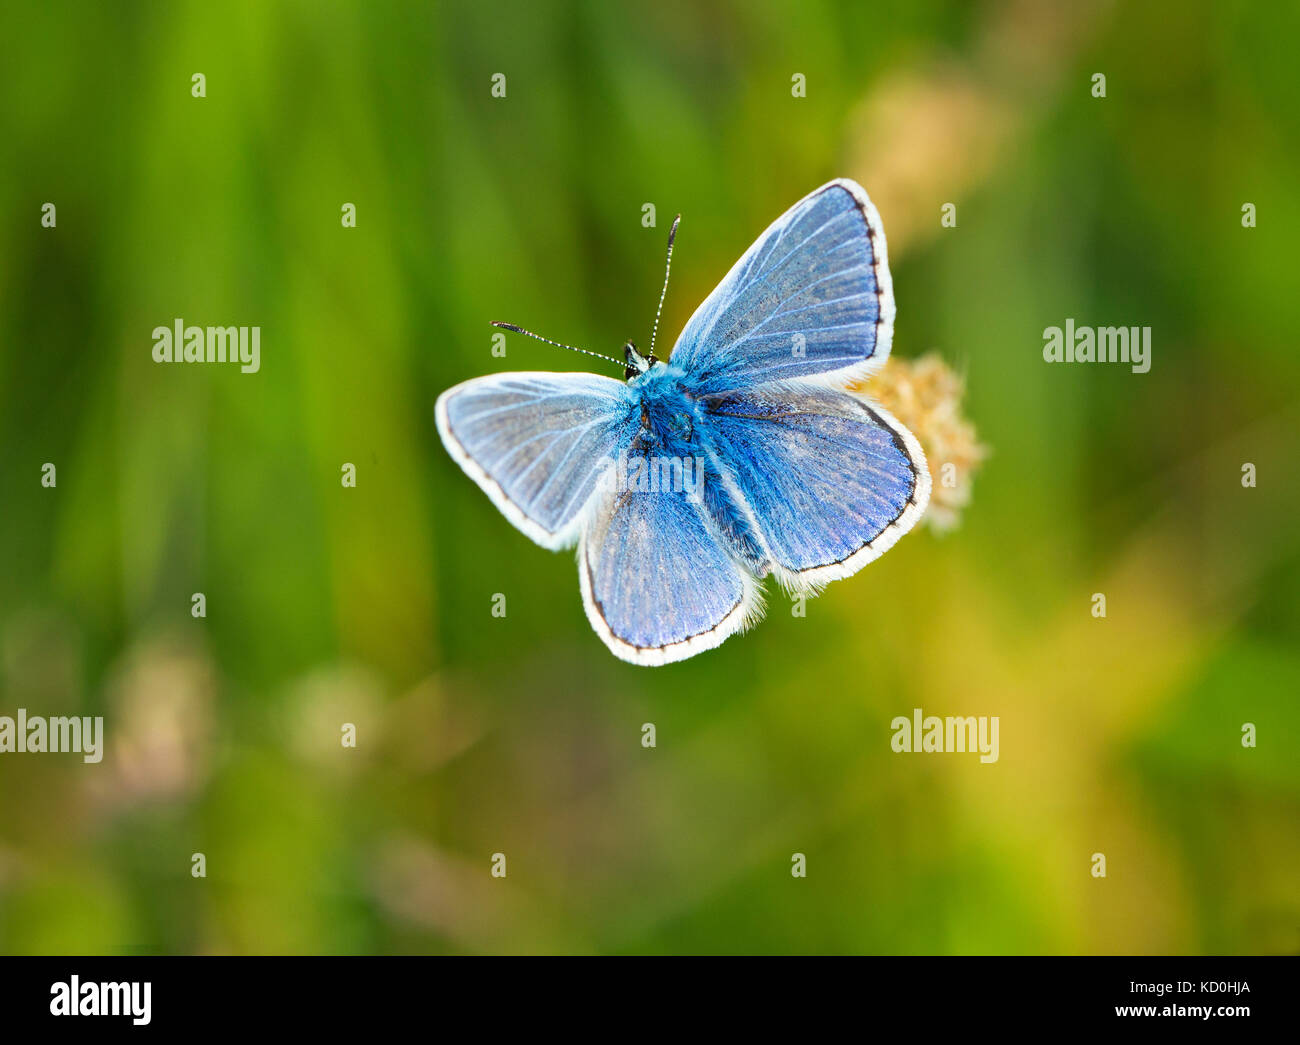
[557,344]
[668,267]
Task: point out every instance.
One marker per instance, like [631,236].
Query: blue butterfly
[742,455]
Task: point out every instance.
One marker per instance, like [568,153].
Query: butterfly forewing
[812,298]
[538,444]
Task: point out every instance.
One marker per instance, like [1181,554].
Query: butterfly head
[637,364]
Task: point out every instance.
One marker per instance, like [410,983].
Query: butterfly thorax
[667,411]
[672,427]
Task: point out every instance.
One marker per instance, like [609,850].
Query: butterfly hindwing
[812,298]
[829,480]
[657,582]
[538,444]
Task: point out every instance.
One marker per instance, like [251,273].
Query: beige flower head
[925,395]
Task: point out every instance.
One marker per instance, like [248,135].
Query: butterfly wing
[538,444]
[828,481]
[658,583]
[812,298]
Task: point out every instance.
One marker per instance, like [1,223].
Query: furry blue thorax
[674,424]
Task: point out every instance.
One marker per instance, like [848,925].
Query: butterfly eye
[636,362]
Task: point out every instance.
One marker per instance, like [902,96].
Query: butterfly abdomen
[733,522]
[674,429]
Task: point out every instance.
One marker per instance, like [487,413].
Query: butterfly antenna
[557,344]
[668,267]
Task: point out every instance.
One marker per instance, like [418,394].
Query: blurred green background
[522,735]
